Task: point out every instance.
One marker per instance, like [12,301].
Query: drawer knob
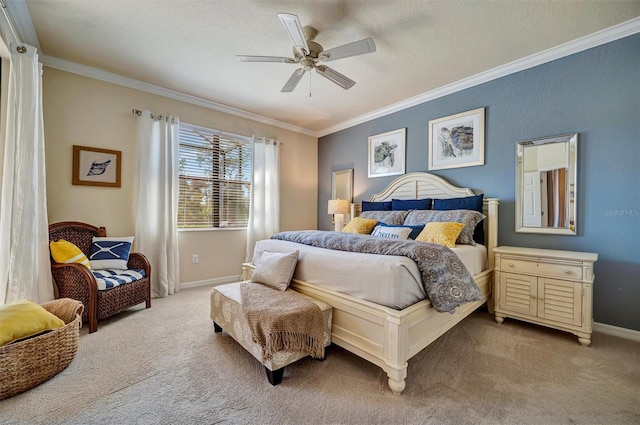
[511,265]
[533,296]
[567,272]
[541,298]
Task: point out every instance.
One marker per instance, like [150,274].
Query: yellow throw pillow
[22,319]
[360,225]
[65,252]
[443,233]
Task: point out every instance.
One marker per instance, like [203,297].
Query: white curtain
[156,234]
[264,213]
[25,270]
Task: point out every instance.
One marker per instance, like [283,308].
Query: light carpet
[165,365]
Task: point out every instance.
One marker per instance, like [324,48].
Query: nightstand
[546,287]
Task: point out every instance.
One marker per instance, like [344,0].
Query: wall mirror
[342,184]
[546,171]
[342,187]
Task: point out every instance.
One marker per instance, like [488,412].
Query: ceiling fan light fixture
[307,64]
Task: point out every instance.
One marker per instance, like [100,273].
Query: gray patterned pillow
[469,218]
[387,217]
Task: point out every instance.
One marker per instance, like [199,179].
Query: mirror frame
[572,140]
[339,175]
[336,176]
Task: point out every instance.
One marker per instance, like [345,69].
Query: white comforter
[392,281]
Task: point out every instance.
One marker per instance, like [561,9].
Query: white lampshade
[338,206]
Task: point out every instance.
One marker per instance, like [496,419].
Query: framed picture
[387,153]
[457,140]
[96,167]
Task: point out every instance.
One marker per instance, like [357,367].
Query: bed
[386,336]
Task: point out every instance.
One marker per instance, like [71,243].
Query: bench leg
[274,376]
[216,328]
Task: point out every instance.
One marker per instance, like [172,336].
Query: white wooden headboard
[424,185]
[419,186]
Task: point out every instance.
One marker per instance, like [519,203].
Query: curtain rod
[16,35]
[138,113]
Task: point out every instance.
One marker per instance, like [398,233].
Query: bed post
[397,343]
[490,209]
[356,209]
[491,227]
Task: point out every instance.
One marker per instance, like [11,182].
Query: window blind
[214,178]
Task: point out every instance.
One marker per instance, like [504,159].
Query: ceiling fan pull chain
[309,84]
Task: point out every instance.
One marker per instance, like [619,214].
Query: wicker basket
[25,364]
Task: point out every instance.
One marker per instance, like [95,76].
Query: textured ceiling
[190,46]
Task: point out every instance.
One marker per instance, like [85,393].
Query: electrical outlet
[195,259]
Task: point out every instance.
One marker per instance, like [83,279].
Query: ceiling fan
[308,53]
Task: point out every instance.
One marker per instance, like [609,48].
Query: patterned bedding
[446,280]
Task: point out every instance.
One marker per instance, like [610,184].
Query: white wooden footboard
[386,337]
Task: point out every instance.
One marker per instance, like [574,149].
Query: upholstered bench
[226,313]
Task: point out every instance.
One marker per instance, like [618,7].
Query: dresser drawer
[540,268]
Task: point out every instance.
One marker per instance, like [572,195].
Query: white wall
[83,111]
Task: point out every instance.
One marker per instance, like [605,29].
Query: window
[215,179]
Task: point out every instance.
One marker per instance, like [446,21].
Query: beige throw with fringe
[282,321]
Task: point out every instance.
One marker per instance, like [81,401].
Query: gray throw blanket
[282,320]
[446,280]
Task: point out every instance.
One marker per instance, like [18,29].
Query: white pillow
[275,269]
[110,253]
[391,232]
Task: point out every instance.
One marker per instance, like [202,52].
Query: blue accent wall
[595,93]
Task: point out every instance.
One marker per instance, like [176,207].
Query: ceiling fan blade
[294,29]
[293,80]
[246,58]
[347,50]
[334,76]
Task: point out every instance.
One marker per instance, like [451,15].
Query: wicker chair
[77,282]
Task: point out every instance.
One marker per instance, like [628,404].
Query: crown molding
[604,36]
[109,77]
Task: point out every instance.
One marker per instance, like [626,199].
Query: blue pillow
[110,253]
[415,230]
[467,203]
[376,206]
[410,204]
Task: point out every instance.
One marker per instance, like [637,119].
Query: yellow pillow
[22,319]
[443,233]
[360,225]
[65,252]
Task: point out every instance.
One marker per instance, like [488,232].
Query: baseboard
[210,282]
[617,331]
